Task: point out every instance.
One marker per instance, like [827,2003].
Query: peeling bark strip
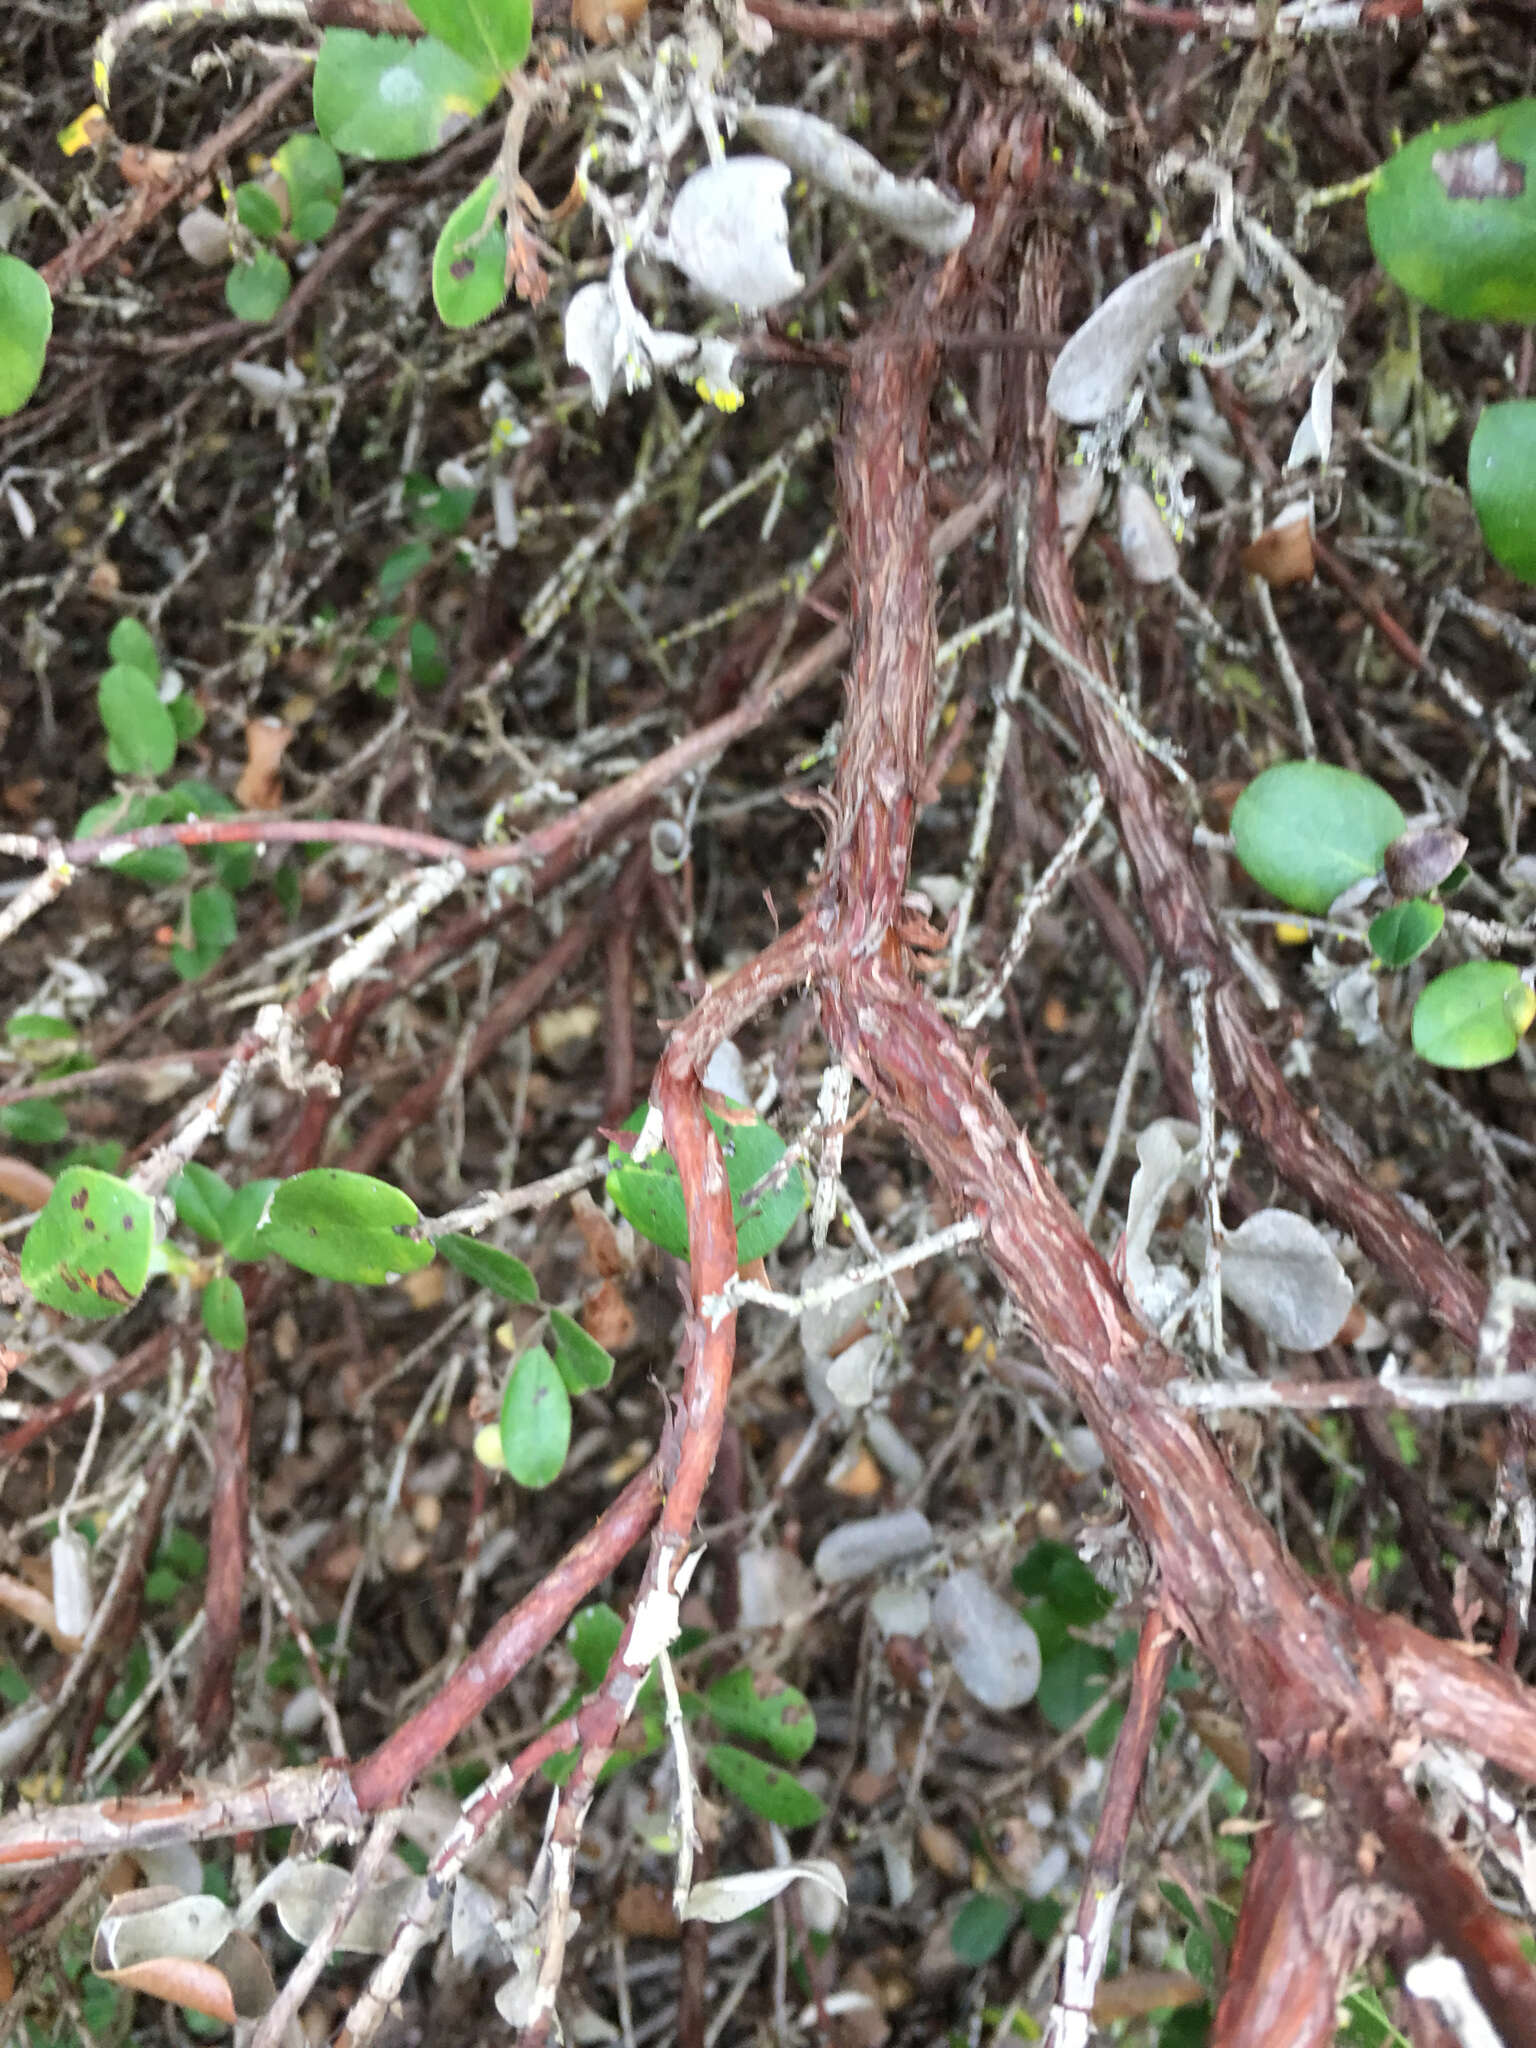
[1475,170]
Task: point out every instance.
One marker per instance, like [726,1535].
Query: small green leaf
[1501,478]
[763,1788]
[437,506]
[1402,933]
[36,1024]
[88,1252]
[254,291]
[429,671]
[493,35]
[650,1196]
[594,1636]
[224,1312]
[26,321]
[584,1364]
[1054,1572]
[141,740]
[201,1199]
[313,220]
[469,264]
[213,926]
[386,99]
[131,644]
[488,1267]
[1452,217]
[34,1123]
[1473,1015]
[981,1927]
[398,569]
[242,1220]
[535,1419]
[257,210]
[1072,1681]
[311,170]
[1305,831]
[762,1709]
[344,1226]
[186,716]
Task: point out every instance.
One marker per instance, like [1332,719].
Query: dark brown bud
[1422,857]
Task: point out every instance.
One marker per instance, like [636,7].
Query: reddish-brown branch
[228,1541]
[1299,1936]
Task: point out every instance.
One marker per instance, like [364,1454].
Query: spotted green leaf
[535,1419]
[386,99]
[763,1788]
[88,1252]
[344,1226]
[1452,217]
[469,264]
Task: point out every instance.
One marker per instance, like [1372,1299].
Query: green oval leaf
[585,1365]
[344,1226]
[312,220]
[201,1199]
[535,1419]
[255,290]
[492,35]
[981,1926]
[386,99]
[34,1123]
[469,264]
[1473,1015]
[650,1196]
[1452,217]
[131,644]
[1501,478]
[594,1636]
[488,1267]
[761,1709]
[26,321]
[224,1312]
[763,1788]
[257,210]
[311,170]
[141,739]
[1072,1681]
[1305,831]
[1402,933]
[88,1252]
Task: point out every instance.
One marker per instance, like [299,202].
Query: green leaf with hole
[488,1267]
[201,1199]
[1306,830]
[981,1927]
[88,1252]
[26,321]
[1473,1016]
[258,211]
[1402,933]
[585,1365]
[469,264]
[762,1709]
[255,290]
[132,645]
[344,1226]
[386,99]
[1501,479]
[535,1419]
[650,1196]
[224,1312]
[34,1123]
[763,1788]
[1452,217]
[492,35]
[141,740]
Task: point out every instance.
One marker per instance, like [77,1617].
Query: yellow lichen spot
[973,1340]
[100,78]
[82,131]
[597,93]
[1289,934]
[723,398]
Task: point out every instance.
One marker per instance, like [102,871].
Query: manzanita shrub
[1312,834]
[1452,219]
